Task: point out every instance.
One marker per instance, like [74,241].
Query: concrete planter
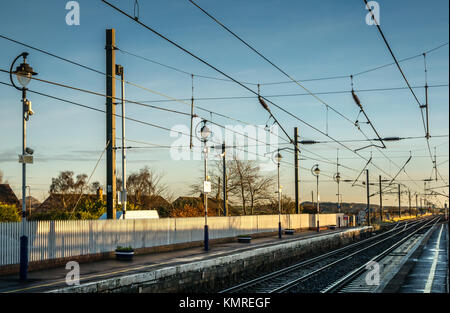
[244,239]
[289,231]
[124,255]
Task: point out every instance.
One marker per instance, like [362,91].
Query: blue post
[279,230]
[206,238]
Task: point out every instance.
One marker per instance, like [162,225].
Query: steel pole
[205,197]
[225,199]
[124,153]
[368,198]
[24,237]
[399,203]
[279,203]
[110,123]
[409,199]
[417,205]
[381,198]
[318,206]
[297,204]
[425,195]
[339,202]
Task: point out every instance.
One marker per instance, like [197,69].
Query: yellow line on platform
[87,277]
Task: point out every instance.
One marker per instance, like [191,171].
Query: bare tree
[216,178]
[251,186]
[260,189]
[67,186]
[242,170]
[145,182]
[245,184]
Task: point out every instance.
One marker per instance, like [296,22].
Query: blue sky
[309,39]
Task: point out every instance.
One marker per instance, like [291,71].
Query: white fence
[59,239]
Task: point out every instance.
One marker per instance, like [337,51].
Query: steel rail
[295,282]
[345,280]
[299,265]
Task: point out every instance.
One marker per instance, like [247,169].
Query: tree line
[249,191]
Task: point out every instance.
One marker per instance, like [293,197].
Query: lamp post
[23,73]
[205,132]
[224,174]
[337,179]
[278,158]
[316,171]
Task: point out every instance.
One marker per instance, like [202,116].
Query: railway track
[313,275]
[352,282]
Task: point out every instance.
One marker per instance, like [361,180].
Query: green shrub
[124,249]
[9,213]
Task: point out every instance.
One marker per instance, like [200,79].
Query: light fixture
[24,72]
[278,157]
[316,170]
[337,177]
[205,132]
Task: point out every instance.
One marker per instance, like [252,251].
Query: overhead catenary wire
[127,82]
[425,122]
[395,60]
[196,57]
[155,107]
[293,80]
[218,78]
[135,120]
[143,122]
[135,102]
[299,94]
[72,62]
[327,106]
[237,82]
[99,72]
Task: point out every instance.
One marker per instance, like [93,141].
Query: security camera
[29,150]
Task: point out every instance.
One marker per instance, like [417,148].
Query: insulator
[356,99]
[263,103]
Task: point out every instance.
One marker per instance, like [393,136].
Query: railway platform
[112,271]
[429,273]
